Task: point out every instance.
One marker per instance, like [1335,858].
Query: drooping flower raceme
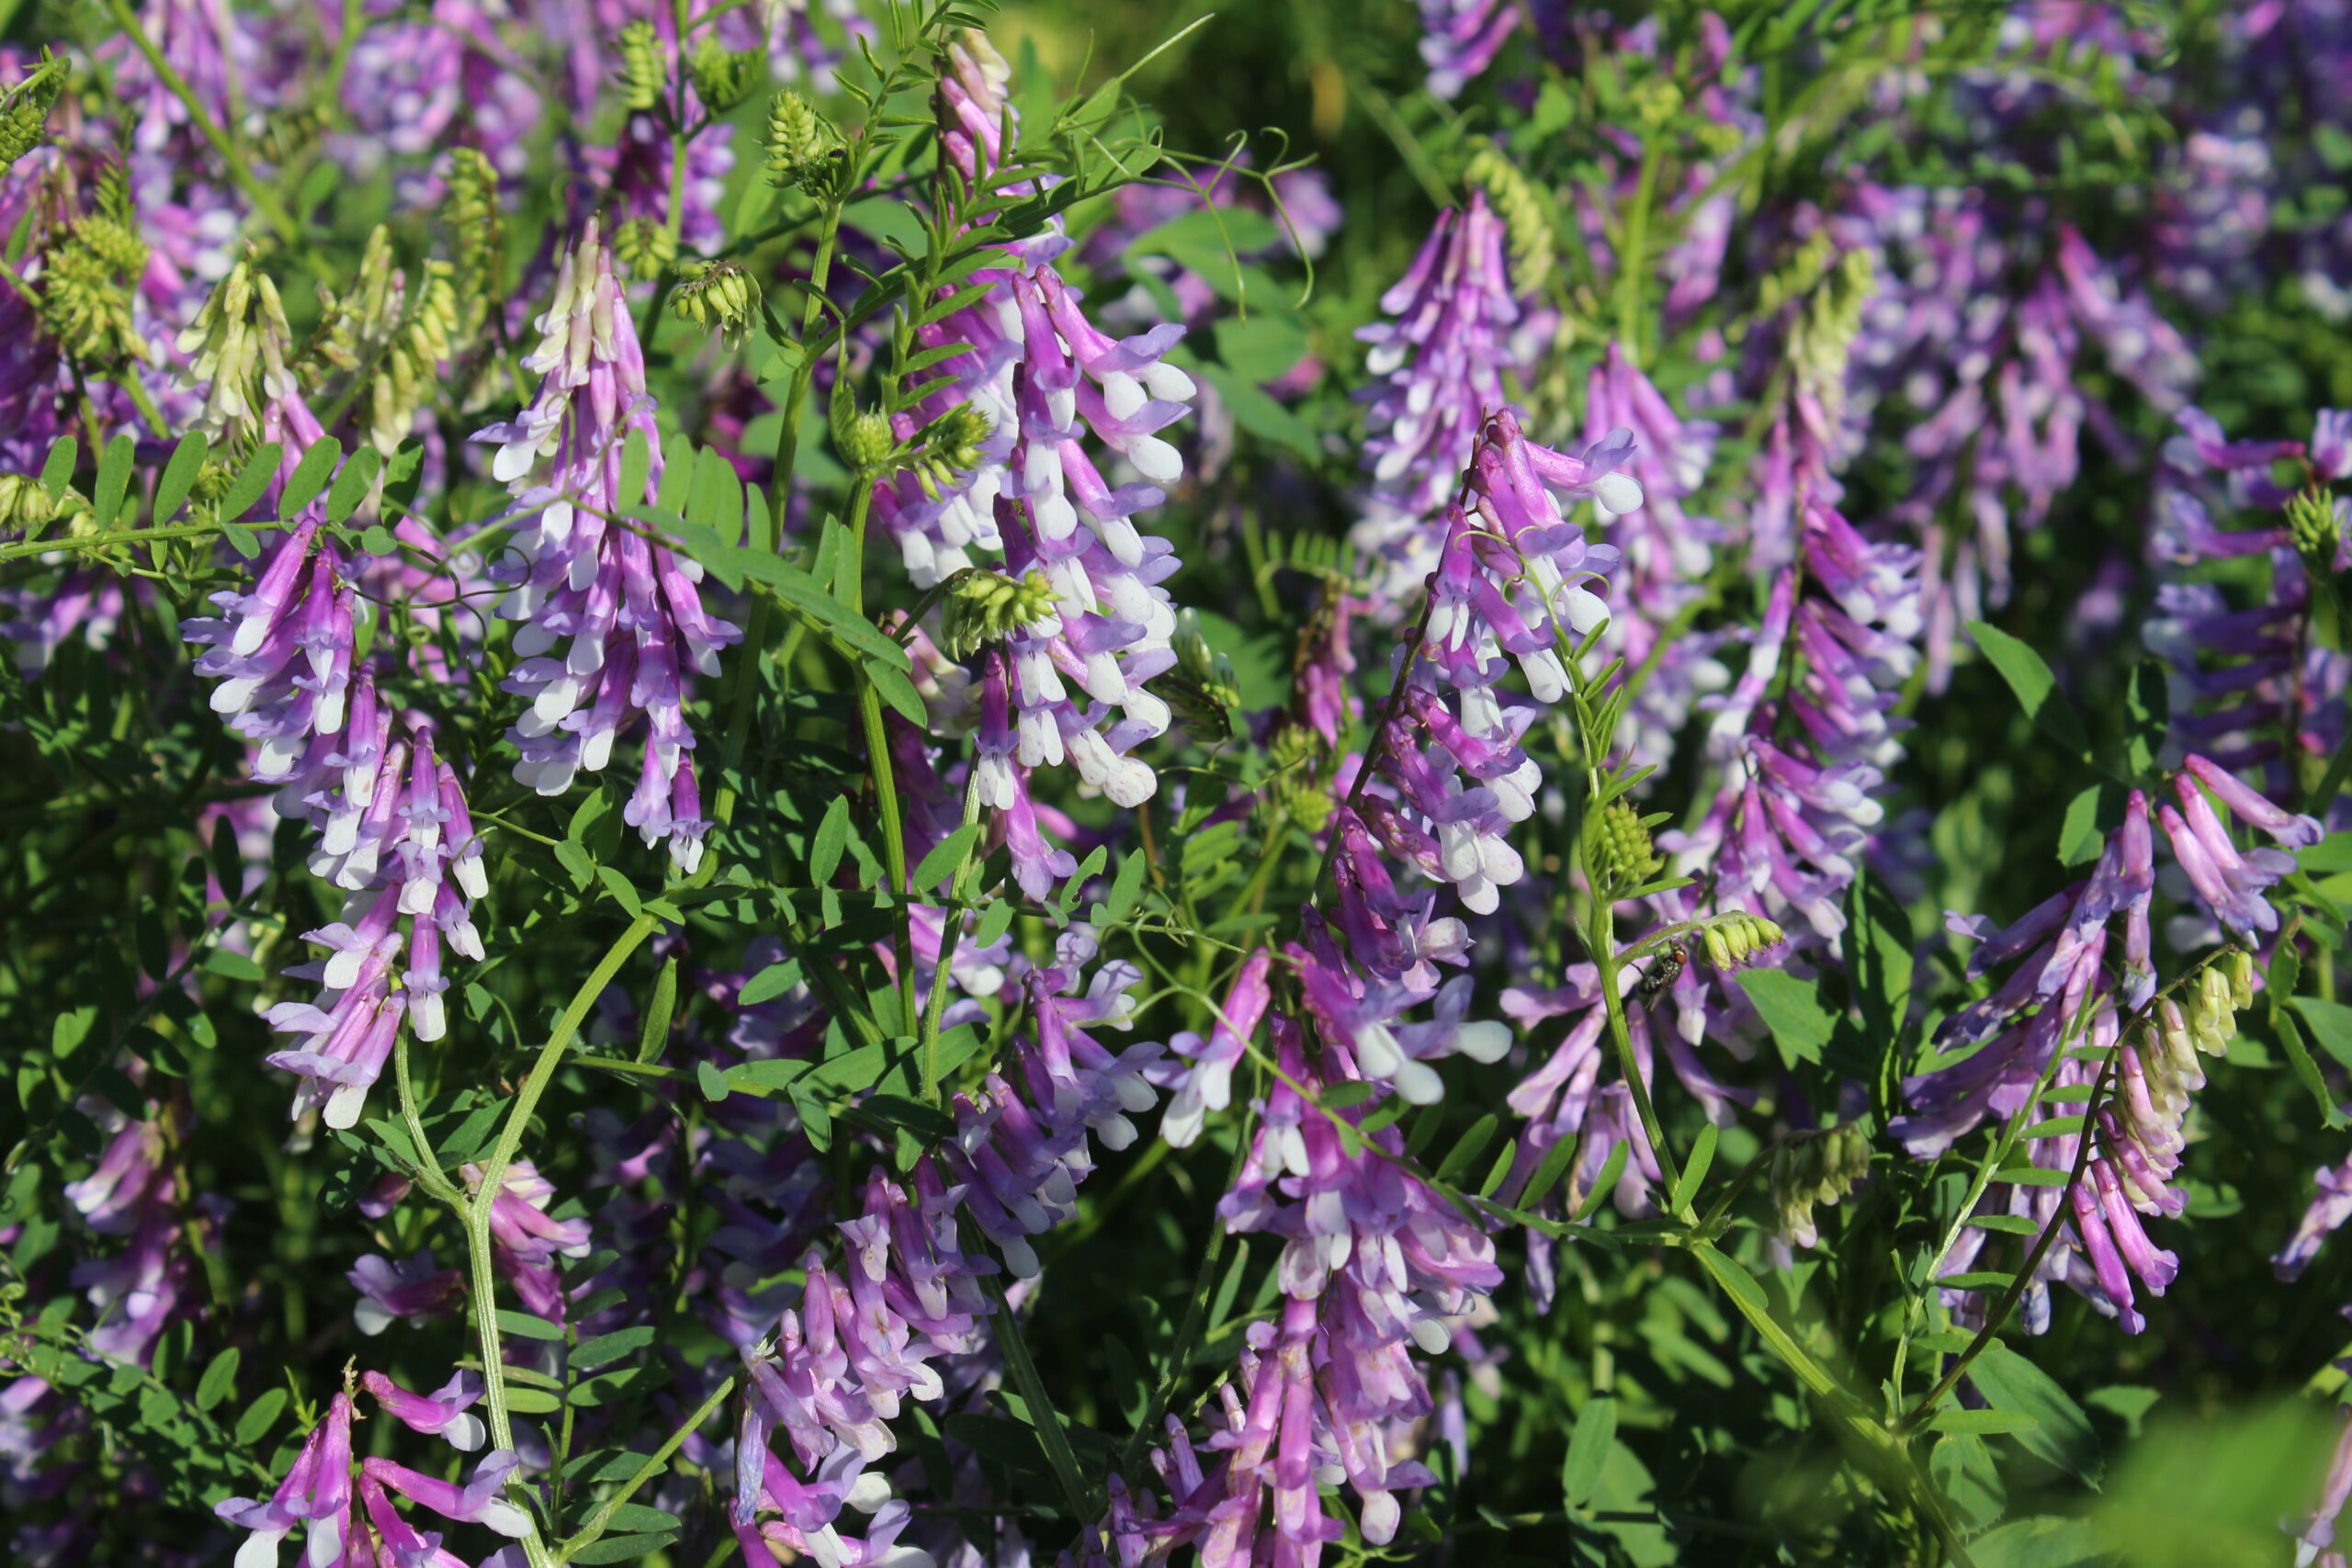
[611,625]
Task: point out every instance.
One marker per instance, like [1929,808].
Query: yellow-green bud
[1203,689]
[1525,212]
[723,77]
[804,150]
[24,110]
[982,608]
[25,505]
[644,247]
[867,443]
[720,295]
[1623,854]
[477,238]
[1294,777]
[1655,101]
[1813,1171]
[645,67]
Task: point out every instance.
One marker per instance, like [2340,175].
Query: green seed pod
[644,71]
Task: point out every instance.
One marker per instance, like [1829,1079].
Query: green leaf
[2062,1434]
[2330,1023]
[251,481]
[310,477]
[770,983]
[833,837]
[531,1401]
[219,1379]
[636,1517]
[1983,1423]
[2082,834]
[653,1035]
[607,1348]
[621,1548]
[712,1082]
[947,857]
[1547,1175]
[2046,1542]
[1467,1148]
[57,467]
[1127,890]
[1589,1445]
[180,475]
[522,1326]
[895,689]
[260,1416]
[352,485]
[1611,1169]
[1694,1171]
[623,891]
[2037,690]
[1791,1007]
[114,481]
[637,464]
[994,922]
[1208,240]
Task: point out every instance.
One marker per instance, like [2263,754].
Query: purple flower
[316,1492]
[2231,881]
[524,1240]
[1207,1082]
[2330,1207]
[1436,368]
[443,1414]
[612,623]
[481,1501]
[389,1292]
[1461,38]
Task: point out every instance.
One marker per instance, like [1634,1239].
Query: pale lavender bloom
[389,1292]
[134,1192]
[1207,1082]
[2329,1208]
[611,622]
[199,41]
[1436,365]
[1359,1019]
[442,1414]
[1461,38]
[2229,880]
[2318,1535]
[525,1240]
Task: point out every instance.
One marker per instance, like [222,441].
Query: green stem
[265,201]
[475,1215]
[934,1006]
[655,1463]
[1629,264]
[127,536]
[877,760]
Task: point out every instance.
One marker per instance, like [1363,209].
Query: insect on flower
[1663,972]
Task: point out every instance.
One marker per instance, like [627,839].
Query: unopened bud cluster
[1525,212]
[26,507]
[477,238]
[2210,1021]
[644,247]
[1815,1172]
[982,608]
[723,77]
[805,151]
[720,296]
[644,66]
[238,341]
[1732,939]
[2315,522]
[397,339]
[1294,779]
[89,273]
[948,446]
[1206,693]
[24,110]
[1623,855]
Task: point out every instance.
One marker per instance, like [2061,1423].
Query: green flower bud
[644,71]
[720,295]
[1816,1172]
[2240,964]
[805,151]
[1294,779]
[1623,855]
[1656,101]
[1201,690]
[477,238]
[1525,212]
[867,443]
[723,77]
[1718,949]
[24,507]
[982,608]
[948,446]
[644,247]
